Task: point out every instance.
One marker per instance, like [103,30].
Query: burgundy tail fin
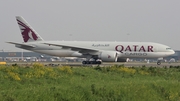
[28,33]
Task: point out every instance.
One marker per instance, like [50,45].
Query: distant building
[175,56]
[23,56]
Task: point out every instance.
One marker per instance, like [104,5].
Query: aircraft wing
[74,48]
[20,44]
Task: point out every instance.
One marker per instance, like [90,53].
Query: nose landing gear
[158,62]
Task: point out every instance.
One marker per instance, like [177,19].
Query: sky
[93,20]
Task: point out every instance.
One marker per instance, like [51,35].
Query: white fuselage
[104,50]
[125,49]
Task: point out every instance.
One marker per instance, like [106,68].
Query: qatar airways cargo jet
[91,50]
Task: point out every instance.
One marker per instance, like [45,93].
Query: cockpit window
[168,49]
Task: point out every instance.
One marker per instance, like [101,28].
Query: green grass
[115,83]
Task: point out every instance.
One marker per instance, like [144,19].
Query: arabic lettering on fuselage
[134,48]
[100,45]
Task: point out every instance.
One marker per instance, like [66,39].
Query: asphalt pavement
[127,64]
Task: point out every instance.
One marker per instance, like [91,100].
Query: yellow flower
[127,70]
[66,69]
[15,76]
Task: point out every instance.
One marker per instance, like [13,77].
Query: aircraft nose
[173,52]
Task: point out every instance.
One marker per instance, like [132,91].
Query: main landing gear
[91,62]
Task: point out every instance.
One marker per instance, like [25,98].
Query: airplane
[98,51]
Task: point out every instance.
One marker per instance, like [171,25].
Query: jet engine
[108,56]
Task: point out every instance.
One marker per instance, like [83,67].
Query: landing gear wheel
[98,62]
[84,62]
[91,62]
[158,63]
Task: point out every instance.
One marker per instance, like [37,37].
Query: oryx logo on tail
[27,32]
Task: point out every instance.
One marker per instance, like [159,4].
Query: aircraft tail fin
[28,33]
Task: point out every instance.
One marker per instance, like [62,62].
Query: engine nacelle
[109,56]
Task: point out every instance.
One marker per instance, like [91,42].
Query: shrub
[38,65]
[66,69]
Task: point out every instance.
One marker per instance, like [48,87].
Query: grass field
[115,83]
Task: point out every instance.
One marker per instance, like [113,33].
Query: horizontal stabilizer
[22,45]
